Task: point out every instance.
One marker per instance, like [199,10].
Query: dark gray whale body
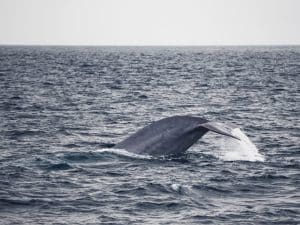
[172,135]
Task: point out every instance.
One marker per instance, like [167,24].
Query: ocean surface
[63,108]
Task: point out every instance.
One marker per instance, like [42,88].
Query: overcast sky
[150,22]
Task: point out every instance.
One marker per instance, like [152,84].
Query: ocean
[62,109]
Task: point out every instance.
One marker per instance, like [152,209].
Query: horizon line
[145,45]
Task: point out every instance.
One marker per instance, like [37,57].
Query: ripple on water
[61,108]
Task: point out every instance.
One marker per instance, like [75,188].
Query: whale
[173,135]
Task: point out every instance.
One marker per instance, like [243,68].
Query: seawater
[63,108]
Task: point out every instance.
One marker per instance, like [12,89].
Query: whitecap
[176,187]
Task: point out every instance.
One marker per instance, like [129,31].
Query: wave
[123,152]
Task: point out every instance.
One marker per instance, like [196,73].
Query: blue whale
[172,135]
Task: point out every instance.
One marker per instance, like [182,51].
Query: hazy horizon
[158,45]
[150,23]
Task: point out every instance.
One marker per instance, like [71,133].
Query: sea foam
[123,152]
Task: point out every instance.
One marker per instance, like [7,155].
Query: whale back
[170,135]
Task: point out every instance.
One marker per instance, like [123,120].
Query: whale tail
[221,128]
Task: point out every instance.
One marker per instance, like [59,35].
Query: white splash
[176,187]
[123,152]
[233,150]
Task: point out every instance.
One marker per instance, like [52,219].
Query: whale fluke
[172,135]
[221,128]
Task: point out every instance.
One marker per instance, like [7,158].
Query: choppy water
[61,108]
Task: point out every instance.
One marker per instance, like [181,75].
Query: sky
[150,22]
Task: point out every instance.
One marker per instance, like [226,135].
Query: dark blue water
[62,107]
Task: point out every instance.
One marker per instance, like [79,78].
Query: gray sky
[150,22]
